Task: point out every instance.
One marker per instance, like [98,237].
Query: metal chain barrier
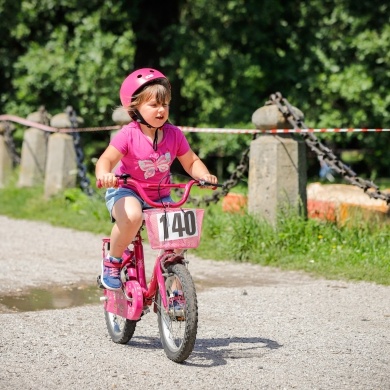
[9,141]
[85,183]
[321,150]
[235,177]
[45,117]
[324,153]
[45,120]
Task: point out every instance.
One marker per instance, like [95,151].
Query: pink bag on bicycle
[174,228]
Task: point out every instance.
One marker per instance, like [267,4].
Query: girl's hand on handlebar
[107,180]
[209,179]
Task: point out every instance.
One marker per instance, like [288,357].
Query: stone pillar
[5,159]
[277,169]
[61,164]
[34,154]
[121,117]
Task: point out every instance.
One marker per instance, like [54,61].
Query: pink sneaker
[111,268]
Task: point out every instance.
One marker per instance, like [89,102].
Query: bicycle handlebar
[126,179]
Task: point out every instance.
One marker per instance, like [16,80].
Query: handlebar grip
[99,183]
[204,183]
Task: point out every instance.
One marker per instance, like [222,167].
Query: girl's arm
[194,166]
[104,166]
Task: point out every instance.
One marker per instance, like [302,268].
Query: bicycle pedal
[99,282]
[145,310]
[124,275]
[177,313]
[178,316]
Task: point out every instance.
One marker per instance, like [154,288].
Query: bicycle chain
[85,183]
[324,153]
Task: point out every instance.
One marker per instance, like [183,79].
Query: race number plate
[177,225]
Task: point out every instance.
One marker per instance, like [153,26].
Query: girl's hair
[158,91]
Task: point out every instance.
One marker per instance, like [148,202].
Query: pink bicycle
[171,289]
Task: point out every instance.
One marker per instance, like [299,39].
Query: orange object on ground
[234,203]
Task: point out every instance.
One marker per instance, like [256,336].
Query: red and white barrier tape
[279,131]
[186,129]
[22,121]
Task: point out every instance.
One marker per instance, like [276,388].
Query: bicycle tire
[120,329]
[178,334]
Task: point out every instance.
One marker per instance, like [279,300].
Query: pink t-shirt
[145,164]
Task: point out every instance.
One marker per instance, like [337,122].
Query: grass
[356,252]
[71,209]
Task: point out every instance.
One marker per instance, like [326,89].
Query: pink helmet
[137,79]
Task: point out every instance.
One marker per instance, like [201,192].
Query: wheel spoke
[178,326]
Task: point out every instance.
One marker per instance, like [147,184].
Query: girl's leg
[127,212]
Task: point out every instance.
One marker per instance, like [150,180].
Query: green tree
[76,53]
[343,72]
[329,58]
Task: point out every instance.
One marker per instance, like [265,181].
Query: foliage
[71,209]
[329,58]
[358,252]
[343,71]
[72,56]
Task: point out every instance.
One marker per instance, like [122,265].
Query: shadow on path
[216,351]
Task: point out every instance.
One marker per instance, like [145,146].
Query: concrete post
[61,164]
[277,170]
[121,117]
[5,158]
[34,154]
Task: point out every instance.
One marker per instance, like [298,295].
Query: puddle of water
[58,297]
[51,298]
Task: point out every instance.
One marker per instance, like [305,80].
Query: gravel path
[259,328]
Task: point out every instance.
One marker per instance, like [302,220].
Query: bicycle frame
[130,302]
[136,294]
[171,287]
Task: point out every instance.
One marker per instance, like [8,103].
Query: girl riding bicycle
[145,149]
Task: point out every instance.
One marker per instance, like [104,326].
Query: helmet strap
[155,140]
[139,118]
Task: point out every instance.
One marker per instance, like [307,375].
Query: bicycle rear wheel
[121,329]
[179,326]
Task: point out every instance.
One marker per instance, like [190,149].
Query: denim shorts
[114,194]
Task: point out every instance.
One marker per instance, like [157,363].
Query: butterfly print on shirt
[155,164]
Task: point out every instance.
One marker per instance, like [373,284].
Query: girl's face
[156,114]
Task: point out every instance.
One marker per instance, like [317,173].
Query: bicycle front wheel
[178,326]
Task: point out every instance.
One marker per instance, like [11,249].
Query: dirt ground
[259,327]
